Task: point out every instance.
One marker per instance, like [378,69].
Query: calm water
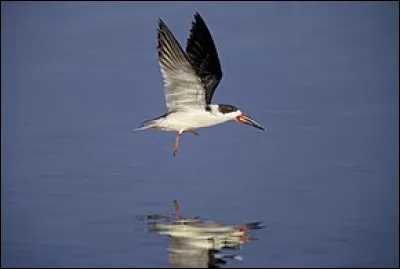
[77,78]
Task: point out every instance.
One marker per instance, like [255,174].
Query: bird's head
[233,113]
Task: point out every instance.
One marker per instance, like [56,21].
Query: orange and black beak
[247,120]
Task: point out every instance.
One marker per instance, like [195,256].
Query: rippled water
[321,77]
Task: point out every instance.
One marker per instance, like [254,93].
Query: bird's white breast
[194,119]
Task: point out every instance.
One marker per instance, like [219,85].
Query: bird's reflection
[200,244]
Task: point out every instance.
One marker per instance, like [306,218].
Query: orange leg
[178,138]
[192,131]
[176,145]
[178,210]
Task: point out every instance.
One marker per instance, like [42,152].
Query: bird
[190,79]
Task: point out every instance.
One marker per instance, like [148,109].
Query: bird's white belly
[192,119]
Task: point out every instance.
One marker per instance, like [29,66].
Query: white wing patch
[183,90]
[182,87]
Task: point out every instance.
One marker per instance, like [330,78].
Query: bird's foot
[192,131]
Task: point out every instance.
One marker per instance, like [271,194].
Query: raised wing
[203,56]
[183,88]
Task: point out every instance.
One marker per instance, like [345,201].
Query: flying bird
[190,80]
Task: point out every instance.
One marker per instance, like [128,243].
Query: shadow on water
[200,244]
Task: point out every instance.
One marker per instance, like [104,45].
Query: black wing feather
[203,56]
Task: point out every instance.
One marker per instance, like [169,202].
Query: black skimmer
[196,243]
[190,80]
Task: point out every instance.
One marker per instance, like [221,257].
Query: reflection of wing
[203,56]
[183,88]
[184,255]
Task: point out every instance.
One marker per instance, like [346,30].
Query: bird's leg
[178,210]
[176,145]
[192,131]
[178,138]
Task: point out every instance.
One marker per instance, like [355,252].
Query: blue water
[77,78]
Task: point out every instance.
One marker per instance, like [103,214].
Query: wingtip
[161,23]
[161,28]
[198,17]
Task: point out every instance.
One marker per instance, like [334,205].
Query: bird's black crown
[227,108]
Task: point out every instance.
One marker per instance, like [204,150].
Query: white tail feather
[142,128]
[145,125]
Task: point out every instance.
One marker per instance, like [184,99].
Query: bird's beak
[247,120]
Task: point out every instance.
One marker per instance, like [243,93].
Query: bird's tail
[148,124]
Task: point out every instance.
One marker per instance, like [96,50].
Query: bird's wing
[203,56]
[183,88]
